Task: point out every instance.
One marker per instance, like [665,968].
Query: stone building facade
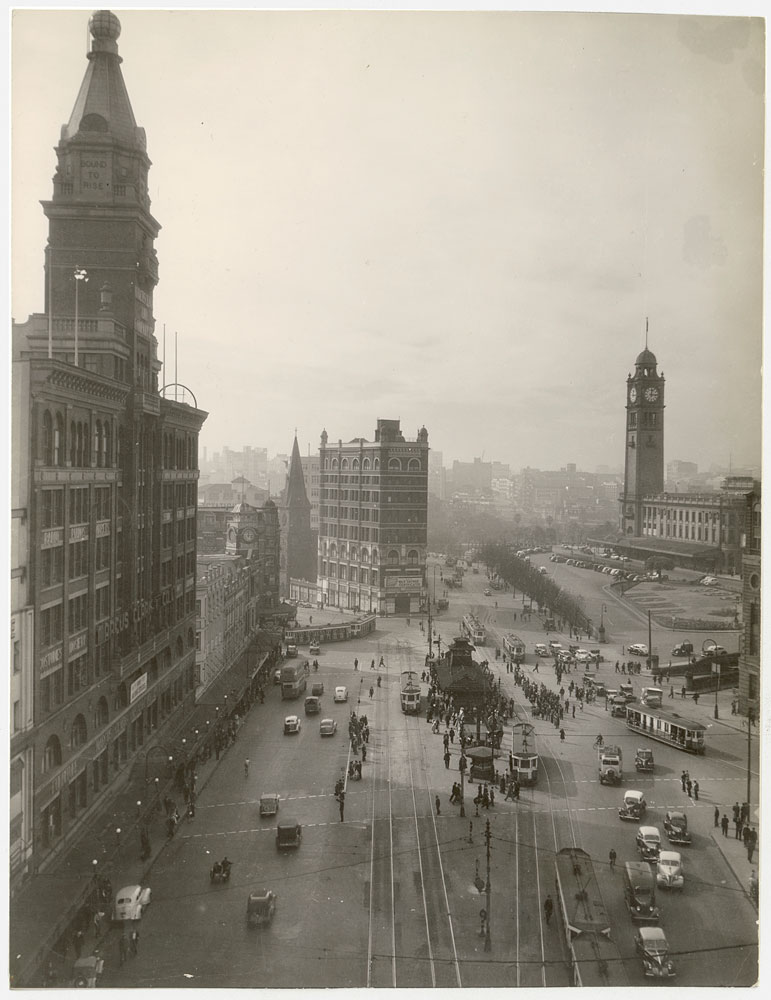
[373,521]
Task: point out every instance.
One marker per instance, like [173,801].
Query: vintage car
[312,705]
[260,907]
[643,760]
[676,827]
[682,649]
[277,676]
[669,871]
[648,842]
[583,656]
[327,727]
[269,803]
[640,892]
[314,649]
[540,649]
[651,943]
[618,706]
[86,971]
[633,806]
[291,649]
[130,902]
[637,649]
[292,724]
[317,688]
[341,694]
[627,691]
[288,834]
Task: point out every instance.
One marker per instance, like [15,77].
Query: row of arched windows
[78,735]
[394,464]
[352,554]
[78,448]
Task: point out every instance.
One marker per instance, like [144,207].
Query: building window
[77,676]
[412,557]
[52,754]
[79,734]
[393,557]
[47,443]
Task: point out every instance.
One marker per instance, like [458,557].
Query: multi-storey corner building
[373,521]
[104,483]
[749,652]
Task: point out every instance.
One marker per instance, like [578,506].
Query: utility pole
[650,647]
[488,945]
[749,754]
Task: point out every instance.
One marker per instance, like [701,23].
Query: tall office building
[104,482]
[373,518]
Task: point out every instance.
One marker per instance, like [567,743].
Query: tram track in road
[409,908]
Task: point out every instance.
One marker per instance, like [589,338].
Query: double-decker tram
[666,727]
[524,765]
[410,692]
[474,629]
[594,958]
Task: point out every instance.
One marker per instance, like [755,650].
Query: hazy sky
[458,220]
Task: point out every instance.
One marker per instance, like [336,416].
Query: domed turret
[103,24]
[646,358]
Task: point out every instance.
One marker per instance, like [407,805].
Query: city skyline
[498,215]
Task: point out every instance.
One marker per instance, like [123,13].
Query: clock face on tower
[248,535]
[651,394]
[632,394]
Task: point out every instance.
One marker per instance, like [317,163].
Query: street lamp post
[462,768]
[706,645]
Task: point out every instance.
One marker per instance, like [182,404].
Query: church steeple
[296,494]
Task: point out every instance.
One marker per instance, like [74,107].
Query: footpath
[46,919]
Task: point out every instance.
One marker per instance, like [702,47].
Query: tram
[515,647]
[410,692]
[525,760]
[474,629]
[666,727]
[594,958]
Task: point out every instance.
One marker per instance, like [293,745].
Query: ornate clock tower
[644,465]
[242,530]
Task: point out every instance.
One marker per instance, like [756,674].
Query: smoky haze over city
[458,220]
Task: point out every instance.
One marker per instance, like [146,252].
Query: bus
[515,647]
[666,727]
[595,960]
[474,629]
[524,765]
[410,692]
[294,679]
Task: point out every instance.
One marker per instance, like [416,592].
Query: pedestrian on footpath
[509,791]
[492,798]
[356,664]
[717,816]
[683,779]
[724,825]
[689,787]
[738,823]
[751,843]
[372,665]
[447,758]
[696,791]
[135,942]
[736,811]
[682,691]
[511,761]
[612,858]
[382,662]
[745,812]
[671,690]
[485,797]
[446,741]
[342,806]
[438,804]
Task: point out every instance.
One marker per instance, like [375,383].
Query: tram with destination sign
[666,727]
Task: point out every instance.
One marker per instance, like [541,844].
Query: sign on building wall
[138,688]
[403,583]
